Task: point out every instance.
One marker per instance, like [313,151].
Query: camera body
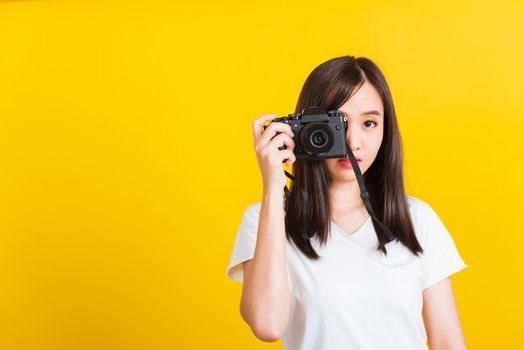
[317,134]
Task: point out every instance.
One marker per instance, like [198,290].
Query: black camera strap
[363,193]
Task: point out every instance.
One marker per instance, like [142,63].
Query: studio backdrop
[127,155]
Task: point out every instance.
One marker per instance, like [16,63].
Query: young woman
[347,286]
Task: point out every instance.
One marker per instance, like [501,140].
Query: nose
[354,138]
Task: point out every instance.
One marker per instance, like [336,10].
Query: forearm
[265,299]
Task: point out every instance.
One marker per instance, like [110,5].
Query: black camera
[317,134]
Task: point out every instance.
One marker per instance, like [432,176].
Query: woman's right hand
[269,157]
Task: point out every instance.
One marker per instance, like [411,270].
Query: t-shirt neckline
[355,234]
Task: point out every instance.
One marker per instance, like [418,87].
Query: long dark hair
[329,86]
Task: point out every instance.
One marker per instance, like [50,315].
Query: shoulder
[255,206]
[251,215]
[418,209]
[424,218]
[416,202]
[253,210]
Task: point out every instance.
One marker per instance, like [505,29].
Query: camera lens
[318,138]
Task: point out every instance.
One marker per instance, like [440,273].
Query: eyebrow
[372,112]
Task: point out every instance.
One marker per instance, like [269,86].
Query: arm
[441,318]
[265,301]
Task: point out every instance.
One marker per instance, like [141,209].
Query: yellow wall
[127,161]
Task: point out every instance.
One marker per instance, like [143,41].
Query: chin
[346,176]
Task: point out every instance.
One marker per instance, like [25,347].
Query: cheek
[329,163]
[377,141]
[377,145]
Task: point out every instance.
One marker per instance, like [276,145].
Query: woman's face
[365,113]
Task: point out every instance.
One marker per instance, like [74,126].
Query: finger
[257,124]
[272,130]
[283,140]
[288,157]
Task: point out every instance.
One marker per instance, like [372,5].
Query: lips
[347,159]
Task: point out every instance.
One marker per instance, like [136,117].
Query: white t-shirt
[354,297]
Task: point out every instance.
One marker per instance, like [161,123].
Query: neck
[345,196]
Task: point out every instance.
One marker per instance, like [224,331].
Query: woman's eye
[369,121]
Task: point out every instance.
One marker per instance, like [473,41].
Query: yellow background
[127,160]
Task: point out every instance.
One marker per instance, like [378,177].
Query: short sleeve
[441,256]
[244,248]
